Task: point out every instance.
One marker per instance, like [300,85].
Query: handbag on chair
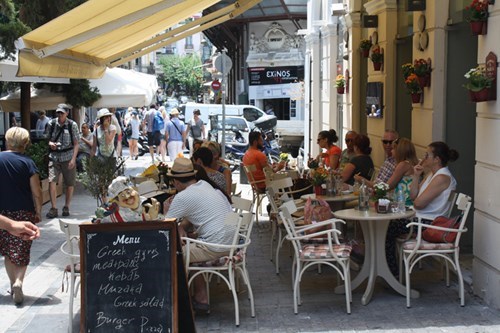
[442,236]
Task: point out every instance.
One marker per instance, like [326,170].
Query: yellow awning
[96,34]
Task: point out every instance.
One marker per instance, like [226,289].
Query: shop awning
[96,34]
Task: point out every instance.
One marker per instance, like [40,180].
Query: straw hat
[103,113]
[183,167]
[149,189]
[174,112]
[118,185]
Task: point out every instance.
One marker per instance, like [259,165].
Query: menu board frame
[157,232]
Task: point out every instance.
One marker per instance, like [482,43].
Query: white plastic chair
[71,249]
[416,249]
[235,261]
[333,253]
[257,193]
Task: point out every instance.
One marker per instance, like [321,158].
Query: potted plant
[422,68]
[39,153]
[365,46]
[478,84]
[318,178]
[340,84]
[380,196]
[413,87]
[478,16]
[407,70]
[377,58]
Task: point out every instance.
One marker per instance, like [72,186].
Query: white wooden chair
[403,238]
[257,192]
[71,249]
[235,261]
[277,192]
[333,253]
[416,249]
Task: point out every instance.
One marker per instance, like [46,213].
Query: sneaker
[52,213]
[17,294]
[65,211]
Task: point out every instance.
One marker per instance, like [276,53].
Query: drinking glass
[300,165]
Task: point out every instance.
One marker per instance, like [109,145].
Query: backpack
[158,123]
[69,126]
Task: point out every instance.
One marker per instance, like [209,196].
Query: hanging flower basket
[365,53]
[377,58]
[416,98]
[377,66]
[479,96]
[365,46]
[477,15]
[340,90]
[422,68]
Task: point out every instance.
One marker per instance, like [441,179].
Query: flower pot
[377,66]
[416,98]
[424,81]
[340,90]
[318,190]
[365,53]
[481,95]
[479,27]
[472,96]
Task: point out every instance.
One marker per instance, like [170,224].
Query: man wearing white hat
[63,138]
[175,135]
[199,205]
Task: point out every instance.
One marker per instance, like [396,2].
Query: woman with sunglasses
[330,153]
[430,195]
[404,153]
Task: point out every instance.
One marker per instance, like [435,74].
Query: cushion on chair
[322,251]
[219,262]
[77,268]
[424,245]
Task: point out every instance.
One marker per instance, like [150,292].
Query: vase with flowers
[377,58]
[477,16]
[318,178]
[478,84]
[340,84]
[413,87]
[422,68]
[407,70]
[365,46]
[380,197]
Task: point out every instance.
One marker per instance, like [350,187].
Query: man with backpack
[63,136]
[155,123]
[175,135]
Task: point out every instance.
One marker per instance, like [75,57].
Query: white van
[251,113]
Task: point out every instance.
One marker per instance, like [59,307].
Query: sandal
[52,213]
[17,294]
[65,211]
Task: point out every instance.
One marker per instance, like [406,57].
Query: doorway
[280,107]
[402,113]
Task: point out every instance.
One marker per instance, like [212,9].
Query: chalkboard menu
[129,277]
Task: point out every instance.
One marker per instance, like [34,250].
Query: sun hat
[118,185]
[174,112]
[183,167]
[103,113]
[148,189]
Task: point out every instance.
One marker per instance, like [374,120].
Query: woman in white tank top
[430,196]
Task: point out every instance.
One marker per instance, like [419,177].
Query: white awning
[118,88]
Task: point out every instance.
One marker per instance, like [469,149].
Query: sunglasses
[387,142]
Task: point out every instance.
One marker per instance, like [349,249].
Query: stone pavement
[437,310]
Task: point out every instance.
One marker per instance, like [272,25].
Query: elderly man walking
[175,135]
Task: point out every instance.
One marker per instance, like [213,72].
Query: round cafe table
[374,226]
[335,201]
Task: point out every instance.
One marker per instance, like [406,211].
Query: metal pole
[223,95]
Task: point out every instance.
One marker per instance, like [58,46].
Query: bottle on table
[364,197]
[400,199]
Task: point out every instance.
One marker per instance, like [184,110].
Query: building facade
[444,112]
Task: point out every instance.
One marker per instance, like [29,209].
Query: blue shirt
[175,134]
[16,170]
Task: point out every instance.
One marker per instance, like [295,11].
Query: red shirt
[334,150]
[259,159]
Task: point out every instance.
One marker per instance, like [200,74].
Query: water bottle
[330,184]
[400,199]
[364,197]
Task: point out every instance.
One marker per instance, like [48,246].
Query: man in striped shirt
[201,206]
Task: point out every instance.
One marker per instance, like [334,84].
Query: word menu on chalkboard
[129,277]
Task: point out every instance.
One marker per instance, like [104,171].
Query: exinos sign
[275,75]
